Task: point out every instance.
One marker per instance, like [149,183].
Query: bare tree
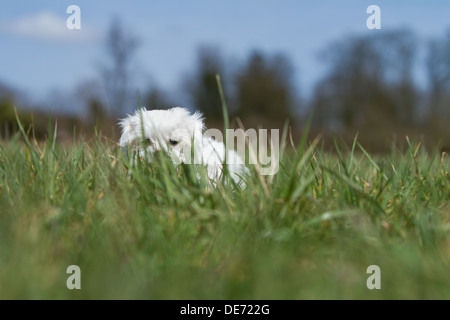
[369,83]
[438,71]
[120,49]
[89,93]
[156,98]
[265,89]
[201,85]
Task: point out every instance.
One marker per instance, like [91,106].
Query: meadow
[153,231]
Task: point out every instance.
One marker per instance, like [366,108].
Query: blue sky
[39,54]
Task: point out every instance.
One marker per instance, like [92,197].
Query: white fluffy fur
[160,127]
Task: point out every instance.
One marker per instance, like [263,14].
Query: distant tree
[120,49]
[8,102]
[264,88]
[90,94]
[156,98]
[369,82]
[201,86]
[6,93]
[438,71]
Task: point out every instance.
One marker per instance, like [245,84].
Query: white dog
[178,133]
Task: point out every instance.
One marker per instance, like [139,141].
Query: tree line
[370,87]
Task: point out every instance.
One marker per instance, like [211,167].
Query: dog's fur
[176,131]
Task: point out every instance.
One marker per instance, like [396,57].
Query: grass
[153,231]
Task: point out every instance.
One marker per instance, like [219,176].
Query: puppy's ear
[198,126]
[192,122]
[129,127]
[198,120]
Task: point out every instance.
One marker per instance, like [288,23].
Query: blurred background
[278,60]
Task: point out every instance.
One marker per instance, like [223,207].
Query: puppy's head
[172,131]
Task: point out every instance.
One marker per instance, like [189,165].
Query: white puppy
[179,133]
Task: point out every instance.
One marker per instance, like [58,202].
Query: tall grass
[154,231]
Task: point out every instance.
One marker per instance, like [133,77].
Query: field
[153,231]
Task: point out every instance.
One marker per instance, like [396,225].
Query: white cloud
[48,26]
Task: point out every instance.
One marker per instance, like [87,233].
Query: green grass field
[154,232]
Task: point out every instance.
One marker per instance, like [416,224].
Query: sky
[39,54]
